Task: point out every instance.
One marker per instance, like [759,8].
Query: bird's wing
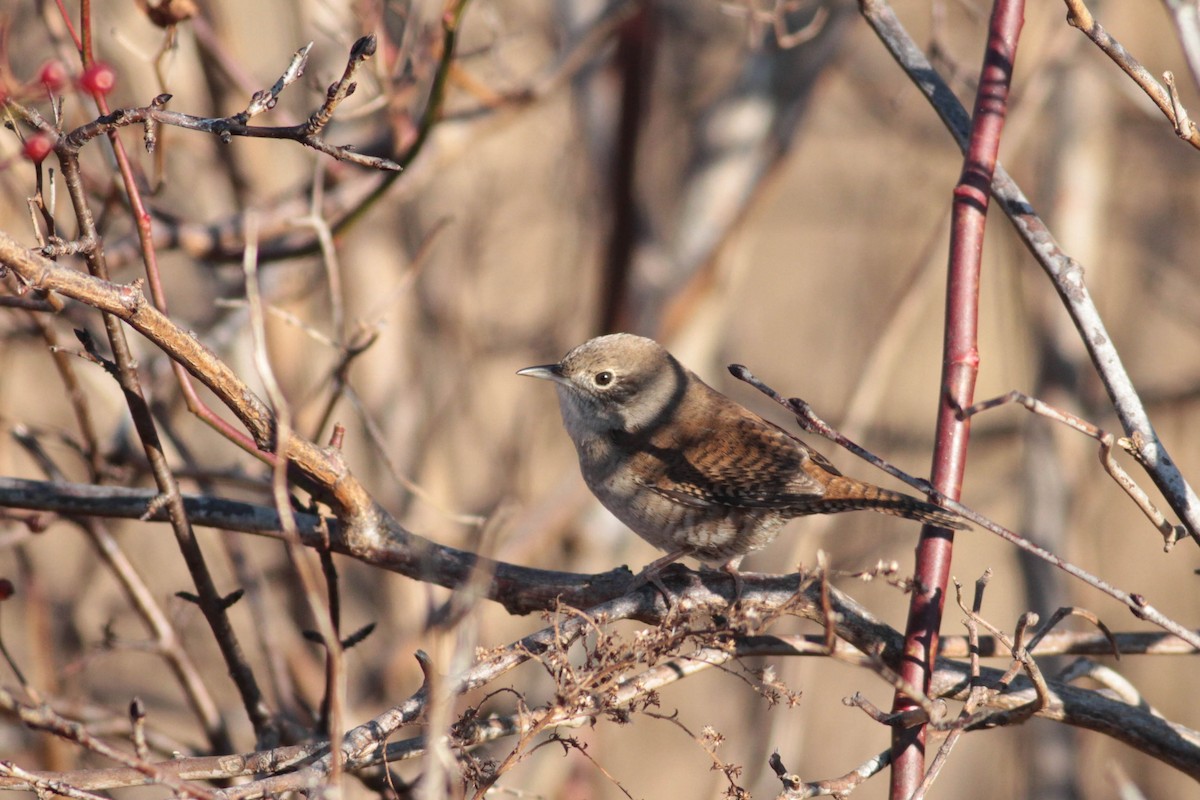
[740,460]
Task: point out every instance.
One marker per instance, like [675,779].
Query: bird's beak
[547,372]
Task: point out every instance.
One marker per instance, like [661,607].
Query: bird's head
[619,382]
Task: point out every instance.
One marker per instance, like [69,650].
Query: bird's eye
[602,378]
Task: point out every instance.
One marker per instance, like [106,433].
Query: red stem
[960,365]
[62,9]
[85,27]
[141,216]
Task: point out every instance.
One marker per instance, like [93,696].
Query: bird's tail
[847,494]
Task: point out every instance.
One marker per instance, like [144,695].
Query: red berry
[37,147]
[53,75]
[98,79]
[7,589]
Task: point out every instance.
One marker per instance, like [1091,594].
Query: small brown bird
[688,469]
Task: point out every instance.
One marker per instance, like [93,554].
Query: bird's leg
[651,572]
[731,567]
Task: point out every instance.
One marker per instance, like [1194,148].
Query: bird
[691,471]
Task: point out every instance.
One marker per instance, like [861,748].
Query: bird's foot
[730,570]
[650,575]
[730,567]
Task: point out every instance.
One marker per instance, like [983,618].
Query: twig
[226,128]
[42,717]
[1186,14]
[346,204]
[810,422]
[128,378]
[265,100]
[327,623]
[1064,272]
[47,785]
[1070,611]
[795,788]
[519,589]
[1184,127]
[1109,678]
[1171,533]
[166,639]
[75,395]
[1078,707]
[977,695]
[1079,16]
[898,720]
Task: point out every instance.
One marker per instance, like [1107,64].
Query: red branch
[960,365]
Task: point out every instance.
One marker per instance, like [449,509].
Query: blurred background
[755,185]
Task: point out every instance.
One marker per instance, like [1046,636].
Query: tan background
[831,290]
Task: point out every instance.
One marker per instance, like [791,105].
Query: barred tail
[847,494]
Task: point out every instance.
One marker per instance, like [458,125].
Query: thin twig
[1186,14]
[795,788]
[810,422]
[300,556]
[1171,533]
[1065,273]
[1079,16]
